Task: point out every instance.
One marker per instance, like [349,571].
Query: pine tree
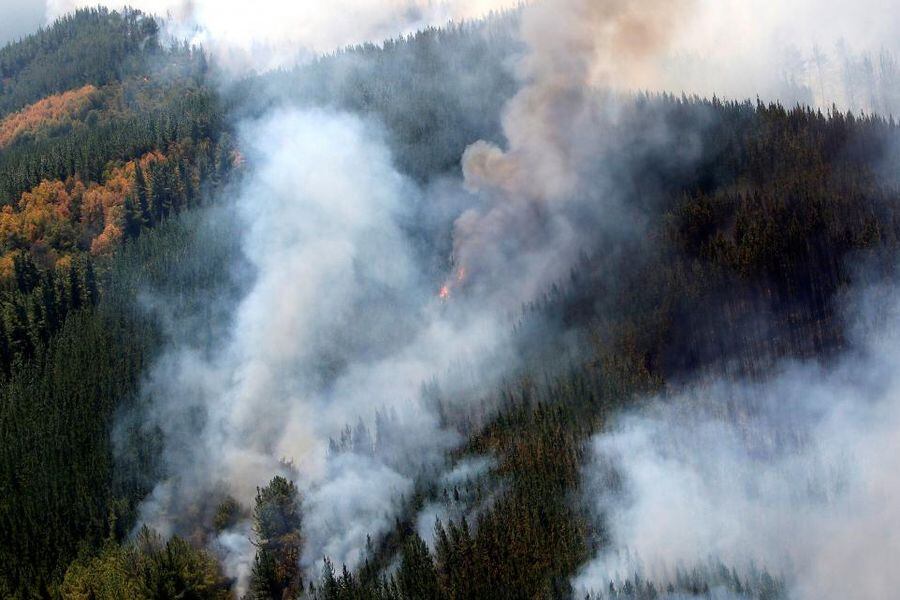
[277,523]
[133,218]
[417,577]
[143,191]
[264,581]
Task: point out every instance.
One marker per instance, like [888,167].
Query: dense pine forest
[116,146]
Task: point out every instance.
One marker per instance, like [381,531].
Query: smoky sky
[273,33]
[18,18]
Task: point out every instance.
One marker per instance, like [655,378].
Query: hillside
[139,236]
[100,146]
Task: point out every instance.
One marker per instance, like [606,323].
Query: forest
[116,146]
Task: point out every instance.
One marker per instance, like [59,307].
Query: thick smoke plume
[583,56]
[575,47]
[579,53]
[797,474]
[339,327]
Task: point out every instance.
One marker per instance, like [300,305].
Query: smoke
[797,474]
[816,52]
[574,46]
[19,18]
[532,219]
[340,323]
[339,326]
[458,486]
[236,549]
[584,57]
[276,33]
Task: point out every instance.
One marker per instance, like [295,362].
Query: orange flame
[447,288]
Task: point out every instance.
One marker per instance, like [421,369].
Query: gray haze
[798,473]
[798,50]
[18,18]
[272,33]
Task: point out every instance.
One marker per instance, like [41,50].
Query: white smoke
[817,52]
[235,548]
[275,33]
[798,474]
[457,503]
[339,326]
[359,498]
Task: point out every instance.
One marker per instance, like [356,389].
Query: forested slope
[106,136]
[105,170]
[743,263]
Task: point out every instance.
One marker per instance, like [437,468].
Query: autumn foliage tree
[50,113]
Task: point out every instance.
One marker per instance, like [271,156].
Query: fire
[447,288]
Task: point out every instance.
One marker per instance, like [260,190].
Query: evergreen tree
[416,577]
[277,523]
